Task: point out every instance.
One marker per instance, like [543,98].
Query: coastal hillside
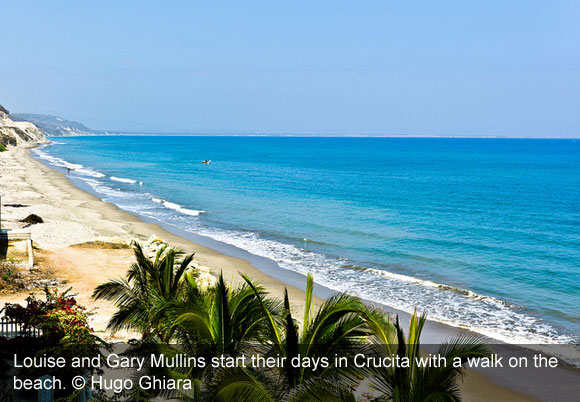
[18,132]
[54,125]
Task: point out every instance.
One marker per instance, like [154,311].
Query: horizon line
[105,133]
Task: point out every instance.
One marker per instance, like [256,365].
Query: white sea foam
[191,212]
[106,192]
[180,209]
[90,172]
[171,205]
[92,182]
[123,180]
[457,307]
[88,176]
[75,168]
[177,207]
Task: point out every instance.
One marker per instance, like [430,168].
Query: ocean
[481,233]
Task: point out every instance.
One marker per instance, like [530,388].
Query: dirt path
[83,269]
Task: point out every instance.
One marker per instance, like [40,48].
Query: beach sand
[72,216]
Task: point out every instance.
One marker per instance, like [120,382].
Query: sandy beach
[72,216]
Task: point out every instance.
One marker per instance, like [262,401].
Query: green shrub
[65,332]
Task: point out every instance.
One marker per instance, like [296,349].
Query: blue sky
[505,68]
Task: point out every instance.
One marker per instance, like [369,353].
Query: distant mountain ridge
[54,125]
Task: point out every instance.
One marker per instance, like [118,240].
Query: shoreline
[225,257]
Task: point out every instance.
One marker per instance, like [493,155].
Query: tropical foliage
[63,322]
[149,289]
[341,326]
[63,327]
[424,382]
[161,300]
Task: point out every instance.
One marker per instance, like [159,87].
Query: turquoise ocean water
[482,233]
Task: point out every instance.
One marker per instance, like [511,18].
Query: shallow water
[482,233]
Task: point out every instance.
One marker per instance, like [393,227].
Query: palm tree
[161,299]
[421,382]
[208,324]
[144,296]
[225,321]
[340,326]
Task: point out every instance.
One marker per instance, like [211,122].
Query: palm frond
[308,305]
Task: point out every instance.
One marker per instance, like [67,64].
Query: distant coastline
[57,126]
